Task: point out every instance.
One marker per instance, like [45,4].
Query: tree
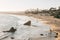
[52,11]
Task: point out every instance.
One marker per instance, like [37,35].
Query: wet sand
[53,22]
[50,20]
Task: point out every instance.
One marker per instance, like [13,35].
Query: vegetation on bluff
[46,12]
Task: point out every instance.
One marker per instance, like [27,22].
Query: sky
[21,5]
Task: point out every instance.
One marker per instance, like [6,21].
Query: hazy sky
[18,5]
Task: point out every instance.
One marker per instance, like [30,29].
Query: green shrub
[57,15]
